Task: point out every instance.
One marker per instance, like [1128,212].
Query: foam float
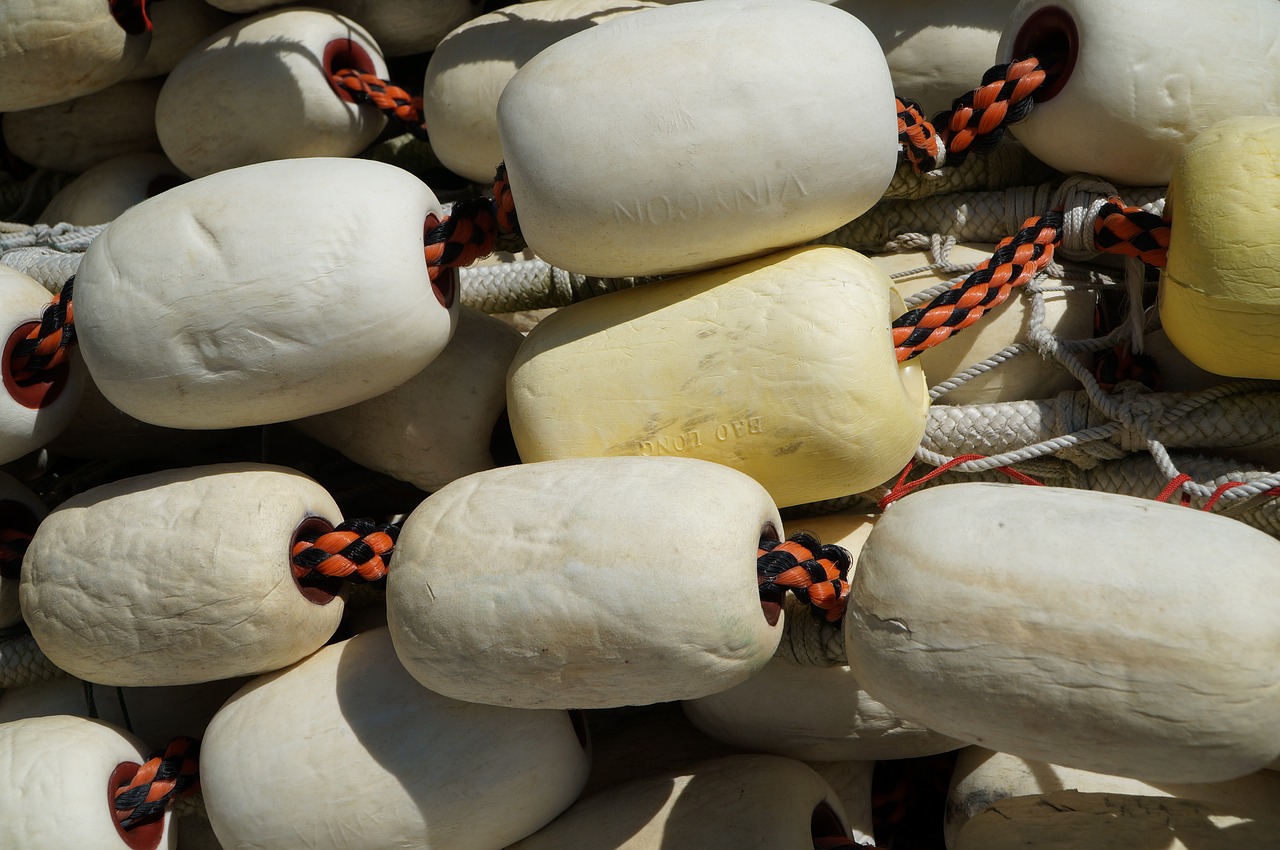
[718,805]
[60,773]
[278,291]
[179,576]
[1220,293]
[75,135]
[812,712]
[51,52]
[261,89]
[1130,89]
[420,770]
[20,512]
[1001,801]
[178,26]
[109,188]
[781,367]
[473,63]
[1094,641]
[658,143]
[405,27]
[440,424]
[566,602]
[935,49]
[34,408]
[1068,315]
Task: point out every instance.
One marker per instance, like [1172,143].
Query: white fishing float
[180,576]
[261,89]
[1131,84]
[781,367]
[660,142]
[178,26]
[419,769]
[405,27]
[588,583]
[472,65]
[1093,641]
[109,188]
[264,294]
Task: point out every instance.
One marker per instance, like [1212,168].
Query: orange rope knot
[394,102]
[1016,260]
[145,796]
[817,574]
[357,550]
[48,345]
[1133,232]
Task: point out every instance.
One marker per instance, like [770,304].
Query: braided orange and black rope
[918,137]
[977,119]
[357,550]
[1133,232]
[49,344]
[471,230]
[144,797]
[817,573]
[393,101]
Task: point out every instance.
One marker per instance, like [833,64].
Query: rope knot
[817,574]
[357,550]
[1137,409]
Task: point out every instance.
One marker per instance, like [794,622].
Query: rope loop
[48,345]
[397,104]
[1133,232]
[166,776]
[357,550]
[1016,260]
[817,574]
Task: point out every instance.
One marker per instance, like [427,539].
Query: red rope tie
[1016,260]
[357,550]
[394,102]
[1174,485]
[817,574]
[903,487]
[1133,232]
[977,119]
[48,345]
[157,783]
[470,232]
[918,138]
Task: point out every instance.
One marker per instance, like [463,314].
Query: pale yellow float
[781,367]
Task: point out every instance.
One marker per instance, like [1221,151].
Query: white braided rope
[23,663]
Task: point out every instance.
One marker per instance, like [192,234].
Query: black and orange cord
[472,230]
[817,573]
[357,550]
[396,103]
[48,345]
[144,796]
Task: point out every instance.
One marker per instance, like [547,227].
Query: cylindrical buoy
[111,187]
[34,408]
[1220,293]
[436,772]
[1000,801]
[261,89]
[440,424]
[57,786]
[76,135]
[1127,86]
[936,49]
[179,576]
[20,513]
[813,712]
[781,367]
[264,294]
[660,142]
[1088,633]
[178,26]
[405,27]
[474,62]
[723,804]
[155,715]
[587,583]
[1067,315]
[51,52]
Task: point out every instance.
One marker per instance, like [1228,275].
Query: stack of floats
[1107,662]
